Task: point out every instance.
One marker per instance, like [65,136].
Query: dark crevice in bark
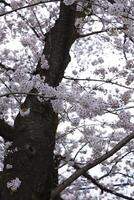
[111,1]
[6,131]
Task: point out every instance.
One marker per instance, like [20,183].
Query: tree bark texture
[33,136]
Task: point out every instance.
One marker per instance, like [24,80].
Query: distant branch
[98,80]
[110,172]
[28,94]
[27,6]
[96,182]
[98,32]
[2,66]
[100,186]
[89,165]
[9,90]
[29,25]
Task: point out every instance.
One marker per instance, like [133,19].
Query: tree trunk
[31,154]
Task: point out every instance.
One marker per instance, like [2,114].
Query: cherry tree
[66,99]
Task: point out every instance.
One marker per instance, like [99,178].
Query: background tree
[67,64]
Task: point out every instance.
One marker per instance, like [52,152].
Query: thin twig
[27,6]
[98,80]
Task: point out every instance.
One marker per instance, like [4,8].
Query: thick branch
[58,42]
[6,131]
[89,165]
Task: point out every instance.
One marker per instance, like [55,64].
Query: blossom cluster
[14,184]
[69,2]
[117,9]
[91,106]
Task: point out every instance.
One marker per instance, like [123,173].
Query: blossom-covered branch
[108,81]
[30,93]
[101,31]
[90,165]
[26,6]
[102,187]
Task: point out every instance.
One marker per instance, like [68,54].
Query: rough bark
[58,42]
[31,153]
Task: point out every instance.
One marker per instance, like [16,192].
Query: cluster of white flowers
[8,166]
[24,112]
[14,4]
[68,2]
[117,9]
[83,104]
[113,69]
[20,75]
[124,116]
[58,106]
[44,63]
[126,96]
[113,102]
[101,71]
[130,64]
[124,120]
[90,106]
[14,184]
[130,79]
[75,121]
